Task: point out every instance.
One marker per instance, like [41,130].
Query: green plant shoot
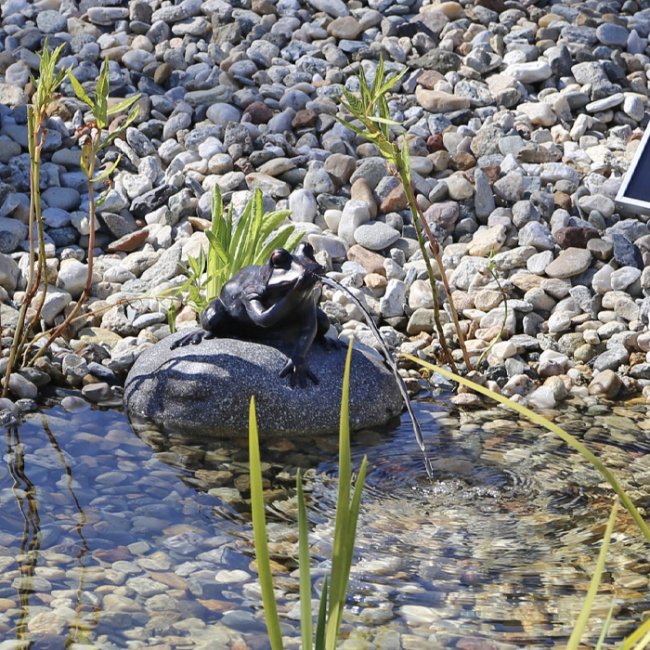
[335,586]
[234,244]
[370,108]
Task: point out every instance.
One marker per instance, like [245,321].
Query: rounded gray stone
[376,236]
[206,389]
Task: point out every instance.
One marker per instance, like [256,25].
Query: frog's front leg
[296,368]
[212,322]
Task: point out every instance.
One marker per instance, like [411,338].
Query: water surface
[123,537]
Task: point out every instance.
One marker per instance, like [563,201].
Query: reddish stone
[130,242]
[462,161]
[494,5]
[372,262]
[304,119]
[395,201]
[429,78]
[258,112]
[434,142]
[574,236]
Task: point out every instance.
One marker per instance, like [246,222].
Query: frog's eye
[281,259]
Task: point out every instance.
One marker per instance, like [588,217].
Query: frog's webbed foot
[193,338]
[299,373]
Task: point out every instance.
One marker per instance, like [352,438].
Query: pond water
[119,536]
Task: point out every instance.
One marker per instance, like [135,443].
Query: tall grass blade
[634,640]
[352,522]
[339,578]
[345,477]
[259,533]
[644,643]
[603,633]
[304,567]
[319,641]
[547,424]
[583,618]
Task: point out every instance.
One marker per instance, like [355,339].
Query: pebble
[512,160]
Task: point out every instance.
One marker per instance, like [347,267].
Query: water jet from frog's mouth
[390,361]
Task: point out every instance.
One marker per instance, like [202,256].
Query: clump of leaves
[369,107]
[234,244]
[333,594]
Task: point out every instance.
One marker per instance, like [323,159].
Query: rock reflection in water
[118,538]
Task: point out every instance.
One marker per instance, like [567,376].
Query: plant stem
[435,249]
[410,197]
[90,255]
[35,127]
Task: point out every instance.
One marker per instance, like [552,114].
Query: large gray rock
[206,389]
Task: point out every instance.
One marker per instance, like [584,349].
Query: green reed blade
[644,643]
[259,533]
[637,637]
[606,624]
[304,567]
[339,577]
[547,424]
[353,518]
[319,643]
[583,618]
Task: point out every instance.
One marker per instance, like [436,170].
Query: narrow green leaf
[123,105]
[101,97]
[304,567]
[547,424]
[634,640]
[355,506]
[378,80]
[583,618]
[107,172]
[259,533]
[352,127]
[102,197]
[643,643]
[606,624]
[392,81]
[272,221]
[283,239]
[79,90]
[322,618]
[405,158]
[338,577]
[363,88]
[171,318]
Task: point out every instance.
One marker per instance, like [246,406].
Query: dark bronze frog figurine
[275,302]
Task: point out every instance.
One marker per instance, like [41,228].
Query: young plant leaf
[322,618]
[107,172]
[639,638]
[304,567]
[79,91]
[123,105]
[259,532]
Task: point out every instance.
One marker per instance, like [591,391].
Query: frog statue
[275,302]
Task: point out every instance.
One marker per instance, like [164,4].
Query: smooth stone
[605,383]
[437,101]
[376,236]
[612,34]
[207,389]
[12,232]
[530,71]
[570,262]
